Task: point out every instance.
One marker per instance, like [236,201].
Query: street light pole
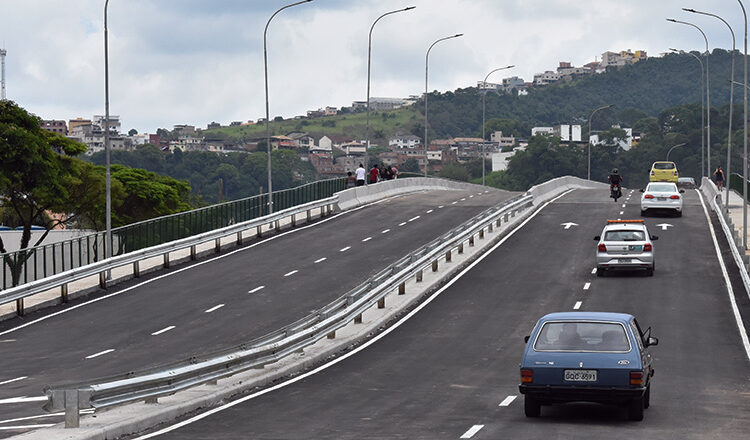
[731,100]
[588,173]
[670,150]
[703,110]
[426,70]
[369,56]
[107,155]
[708,94]
[268,116]
[744,142]
[484,95]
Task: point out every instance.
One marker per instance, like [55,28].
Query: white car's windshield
[624,236]
[661,187]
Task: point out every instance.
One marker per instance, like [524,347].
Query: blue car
[587,357]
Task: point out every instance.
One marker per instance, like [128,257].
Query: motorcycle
[615,192]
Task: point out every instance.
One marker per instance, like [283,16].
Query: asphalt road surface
[449,369]
[216,303]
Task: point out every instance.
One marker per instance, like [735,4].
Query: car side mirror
[597,237]
[641,190]
[526,338]
[652,341]
[682,191]
[654,237]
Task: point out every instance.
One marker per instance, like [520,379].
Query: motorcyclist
[615,179]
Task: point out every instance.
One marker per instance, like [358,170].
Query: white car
[662,196]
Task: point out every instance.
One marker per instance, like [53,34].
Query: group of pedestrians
[376,174]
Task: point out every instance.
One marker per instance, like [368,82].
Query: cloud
[193,61]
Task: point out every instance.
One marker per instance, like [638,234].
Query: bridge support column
[489,227]
[381,303]
[498,222]
[471,241]
[277,226]
[461,248]
[294,220]
[239,238]
[402,288]
[217,245]
[506,218]
[419,276]
[435,266]
[136,269]
[151,400]
[103,280]
[358,319]
[166,260]
[192,252]
[448,256]
[481,234]
[259,231]
[332,335]
[19,307]
[64,293]
[309,216]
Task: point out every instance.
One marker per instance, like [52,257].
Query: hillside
[642,89]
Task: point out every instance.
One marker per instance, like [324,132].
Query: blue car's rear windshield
[582,336]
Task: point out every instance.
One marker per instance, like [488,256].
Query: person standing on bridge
[360,172]
[374,173]
[719,176]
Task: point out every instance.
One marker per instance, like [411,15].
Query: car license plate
[580,375]
[635,247]
[661,199]
[624,260]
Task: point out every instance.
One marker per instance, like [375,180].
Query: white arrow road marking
[164,330]
[214,308]
[473,430]
[664,226]
[257,289]
[100,353]
[13,380]
[578,305]
[508,400]
[568,224]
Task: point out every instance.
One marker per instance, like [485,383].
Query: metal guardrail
[51,259]
[101,268]
[157,382]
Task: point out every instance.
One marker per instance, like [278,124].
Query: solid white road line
[375,339]
[578,305]
[164,330]
[730,292]
[385,231]
[214,308]
[320,260]
[430,211]
[23,399]
[13,380]
[508,400]
[9,428]
[367,239]
[473,430]
[101,353]
[42,416]
[345,249]
[288,274]
[593,271]
[586,286]
[7,341]
[257,289]
[413,218]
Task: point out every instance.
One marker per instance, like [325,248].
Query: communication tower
[3,52]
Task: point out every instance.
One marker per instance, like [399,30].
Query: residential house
[622,58]
[542,131]
[513,83]
[548,77]
[73,123]
[282,142]
[502,141]
[626,144]
[353,148]
[114,122]
[330,111]
[55,126]
[500,160]
[302,140]
[405,141]
[213,125]
[567,132]
[323,164]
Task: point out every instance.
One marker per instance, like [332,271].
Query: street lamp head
[689,10]
[672,20]
[510,67]
[409,8]
[458,35]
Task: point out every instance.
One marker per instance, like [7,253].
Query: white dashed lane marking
[430,211]
[101,353]
[622,212]
[214,308]
[441,207]
[578,305]
[593,271]
[473,430]
[345,249]
[288,274]
[402,223]
[164,330]
[320,260]
[508,400]
[454,203]
[623,205]
[257,289]
[366,239]
[413,218]
[586,286]
[13,380]
[385,231]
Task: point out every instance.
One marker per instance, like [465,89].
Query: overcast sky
[197,61]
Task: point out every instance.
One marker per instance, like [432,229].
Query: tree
[132,132]
[38,174]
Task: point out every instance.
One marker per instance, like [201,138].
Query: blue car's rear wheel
[531,407]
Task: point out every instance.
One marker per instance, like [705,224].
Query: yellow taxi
[663,172]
